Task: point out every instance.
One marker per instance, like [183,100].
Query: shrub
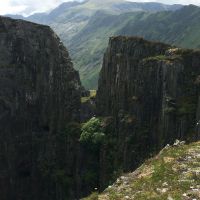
[92,132]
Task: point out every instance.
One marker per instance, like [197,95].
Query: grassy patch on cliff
[92,133]
[173,174]
[92,95]
[156,58]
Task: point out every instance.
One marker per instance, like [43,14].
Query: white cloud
[7,7]
[27,7]
[185,2]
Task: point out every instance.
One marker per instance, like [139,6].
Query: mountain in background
[70,17]
[88,45]
[85,28]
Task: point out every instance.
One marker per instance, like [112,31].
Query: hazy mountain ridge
[113,6]
[85,28]
[87,46]
[70,17]
[169,27]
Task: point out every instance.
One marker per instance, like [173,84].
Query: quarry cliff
[55,145]
[39,95]
[148,96]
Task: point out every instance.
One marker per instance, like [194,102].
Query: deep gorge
[148,96]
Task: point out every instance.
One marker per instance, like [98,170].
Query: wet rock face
[152,92]
[39,94]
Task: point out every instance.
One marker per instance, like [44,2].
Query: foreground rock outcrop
[173,174]
[148,96]
[39,95]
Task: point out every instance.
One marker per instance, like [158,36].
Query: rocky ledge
[173,174]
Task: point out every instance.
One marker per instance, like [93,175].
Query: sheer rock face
[39,94]
[151,90]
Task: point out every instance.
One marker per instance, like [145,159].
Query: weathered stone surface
[151,91]
[39,95]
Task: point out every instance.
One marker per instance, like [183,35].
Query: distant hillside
[88,45]
[85,28]
[70,17]
[173,174]
[181,28]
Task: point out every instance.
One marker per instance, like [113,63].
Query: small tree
[92,132]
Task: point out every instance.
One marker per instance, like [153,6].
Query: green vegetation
[92,132]
[92,138]
[172,174]
[163,58]
[91,96]
[159,57]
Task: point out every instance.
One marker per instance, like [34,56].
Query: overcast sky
[28,7]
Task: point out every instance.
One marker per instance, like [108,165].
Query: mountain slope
[87,46]
[70,20]
[169,27]
[172,174]
[86,27]
[70,17]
